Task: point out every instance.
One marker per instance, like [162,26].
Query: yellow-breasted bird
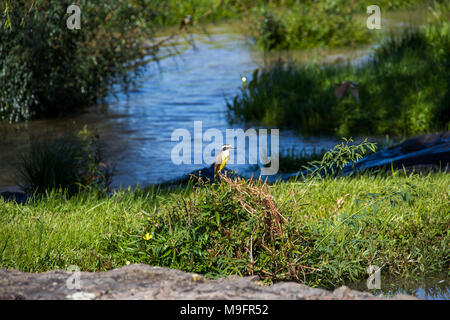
[222,158]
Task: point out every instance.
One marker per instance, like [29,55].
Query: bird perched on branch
[222,158]
[341,89]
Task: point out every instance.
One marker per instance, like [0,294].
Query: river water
[434,287]
[192,85]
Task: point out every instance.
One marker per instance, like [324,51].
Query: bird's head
[227,147]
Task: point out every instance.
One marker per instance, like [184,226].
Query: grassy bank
[403,90]
[319,231]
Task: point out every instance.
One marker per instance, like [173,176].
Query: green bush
[68,162]
[291,159]
[318,24]
[47,69]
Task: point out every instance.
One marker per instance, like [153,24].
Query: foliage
[66,162]
[232,227]
[404,90]
[287,96]
[344,154]
[318,24]
[47,69]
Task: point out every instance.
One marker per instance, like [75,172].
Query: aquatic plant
[48,70]
[68,162]
[404,90]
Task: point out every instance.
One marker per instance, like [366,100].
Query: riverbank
[334,229]
[401,90]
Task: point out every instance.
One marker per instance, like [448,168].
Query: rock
[140,281]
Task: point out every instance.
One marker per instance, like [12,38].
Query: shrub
[230,227]
[324,23]
[67,162]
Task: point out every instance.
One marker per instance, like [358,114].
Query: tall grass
[321,232]
[404,90]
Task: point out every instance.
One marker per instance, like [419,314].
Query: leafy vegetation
[311,24]
[321,230]
[404,90]
[342,155]
[325,24]
[68,162]
[47,69]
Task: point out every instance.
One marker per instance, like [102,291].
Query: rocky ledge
[141,281]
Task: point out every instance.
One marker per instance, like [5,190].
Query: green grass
[397,221]
[404,90]
[42,64]
[321,24]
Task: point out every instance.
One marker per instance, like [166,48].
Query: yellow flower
[128,262]
[147,236]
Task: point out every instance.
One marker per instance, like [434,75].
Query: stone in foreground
[141,281]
